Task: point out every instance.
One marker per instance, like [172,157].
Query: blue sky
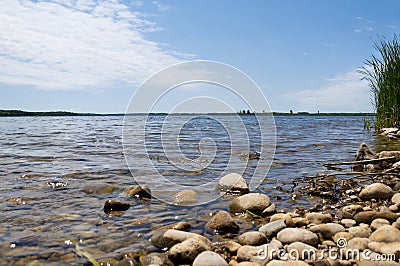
[91,56]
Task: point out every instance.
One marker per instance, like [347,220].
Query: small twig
[361,162]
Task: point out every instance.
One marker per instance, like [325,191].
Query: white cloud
[160,6]
[342,93]
[64,44]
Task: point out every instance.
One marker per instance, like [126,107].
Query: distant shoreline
[20,113]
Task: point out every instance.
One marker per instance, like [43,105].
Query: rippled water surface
[46,162]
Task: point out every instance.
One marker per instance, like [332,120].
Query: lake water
[45,162]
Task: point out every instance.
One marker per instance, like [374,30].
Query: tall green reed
[383,74]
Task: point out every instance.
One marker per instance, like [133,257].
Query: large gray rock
[385,233]
[233,183]
[272,228]
[222,223]
[376,191]
[209,258]
[253,202]
[291,235]
[252,238]
[167,238]
[327,230]
[188,250]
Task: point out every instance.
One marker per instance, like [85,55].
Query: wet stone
[98,188]
[113,205]
[222,223]
[186,196]
[233,183]
[253,202]
[57,184]
[155,259]
[138,192]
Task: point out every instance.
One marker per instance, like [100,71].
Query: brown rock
[318,218]
[369,216]
[222,223]
[113,205]
[376,191]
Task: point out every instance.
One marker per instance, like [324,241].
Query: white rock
[233,183]
[209,258]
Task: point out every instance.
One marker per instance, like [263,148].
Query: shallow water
[45,162]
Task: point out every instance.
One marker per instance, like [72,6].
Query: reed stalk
[383,75]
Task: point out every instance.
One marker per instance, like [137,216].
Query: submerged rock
[253,202]
[233,183]
[186,196]
[98,188]
[113,205]
[222,223]
[138,192]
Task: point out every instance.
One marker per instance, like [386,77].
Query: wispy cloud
[64,44]
[160,6]
[345,92]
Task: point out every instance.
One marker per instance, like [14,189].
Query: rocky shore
[362,227]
